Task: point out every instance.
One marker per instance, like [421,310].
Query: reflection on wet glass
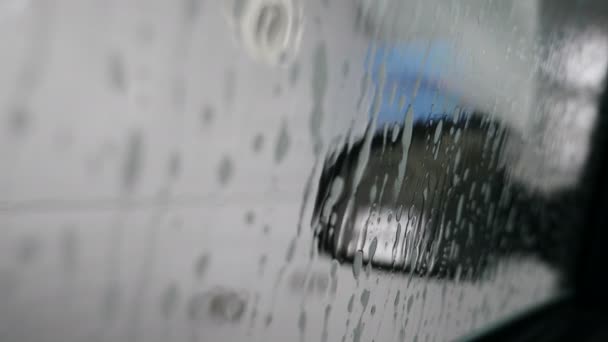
[456,212]
[439,185]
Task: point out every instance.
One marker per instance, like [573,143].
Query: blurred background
[268,170]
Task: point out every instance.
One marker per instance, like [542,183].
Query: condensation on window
[271,170]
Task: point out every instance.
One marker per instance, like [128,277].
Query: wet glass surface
[272,170]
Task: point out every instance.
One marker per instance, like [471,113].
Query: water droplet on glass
[208,114]
[28,250]
[351,303]
[282,145]
[358,331]
[294,73]
[319,88]
[116,72]
[291,249]
[258,143]
[133,162]
[364,298]
[201,265]
[227,305]
[302,322]
[225,170]
[249,217]
[372,249]
[357,264]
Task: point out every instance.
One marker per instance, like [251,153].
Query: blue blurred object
[404,66]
